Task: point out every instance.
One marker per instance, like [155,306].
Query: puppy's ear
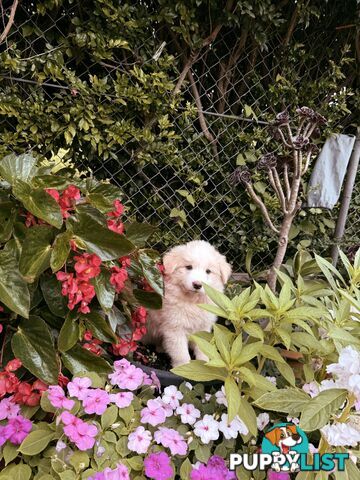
[273,436]
[171,261]
[224,268]
[292,428]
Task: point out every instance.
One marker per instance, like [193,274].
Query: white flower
[313,449]
[221,397]
[232,429]
[60,445]
[188,385]
[272,380]
[171,396]
[207,429]
[139,440]
[188,413]
[348,363]
[293,420]
[341,435]
[262,420]
[208,397]
[169,411]
[312,389]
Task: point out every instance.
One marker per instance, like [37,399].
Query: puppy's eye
[208,271]
[188,267]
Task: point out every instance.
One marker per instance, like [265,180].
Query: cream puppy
[187,268]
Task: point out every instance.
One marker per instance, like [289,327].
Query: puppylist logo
[285,448]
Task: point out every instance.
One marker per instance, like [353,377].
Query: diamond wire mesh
[189,196]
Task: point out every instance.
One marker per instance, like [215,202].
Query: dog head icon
[284,437]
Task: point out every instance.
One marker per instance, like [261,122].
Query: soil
[147,355]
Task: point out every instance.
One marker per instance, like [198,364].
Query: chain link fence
[165,100]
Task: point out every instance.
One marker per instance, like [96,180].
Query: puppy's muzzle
[197,285]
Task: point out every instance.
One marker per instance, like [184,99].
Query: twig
[280,189]
[193,57]
[292,26]
[10,21]
[286,181]
[207,134]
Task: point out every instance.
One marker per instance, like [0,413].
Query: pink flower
[122,399]
[171,439]
[139,440]
[8,408]
[207,429]
[171,396]
[96,401]
[154,413]
[119,473]
[157,466]
[271,475]
[78,387]
[203,473]
[17,429]
[188,413]
[79,432]
[130,378]
[57,398]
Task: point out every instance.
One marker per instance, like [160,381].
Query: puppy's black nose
[197,285]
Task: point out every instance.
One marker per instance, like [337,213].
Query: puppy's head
[190,266]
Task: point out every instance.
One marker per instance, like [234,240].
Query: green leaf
[10,452]
[222,343]
[109,417]
[105,292]
[248,352]
[33,345]
[51,289]
[185,469]
[79,460]
[36,442]
[16,472]
[198,371]
[18,167]
[69,334]
[39,203]
[14,291]
[79,360]
[270,352]
[254,330]
[61,250]
[206,347]
[97,238]
[236,349]
[151,300]
[232,393]
[318,411]
[139,233]
[151,272]
[286,371]
[219,298]
[248,416]
[287,400]
[99,327]
[36,252]
[103,196]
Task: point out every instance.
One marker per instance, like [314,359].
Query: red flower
[62,380]
[87,266]
[13,365]
[77,291]
[26,395]
[30,220]
[40,386]
[118,278]
[93,347]
[118,211]
[138,333]
[116,226]
[8,383]
[123,347]
[125,261]
[87,336]
[139,316]
[66,200]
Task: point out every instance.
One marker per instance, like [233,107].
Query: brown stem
[193,57]
[205,129]
[286,181]
[292,26]
[10,21]
[283,138]
[262,207]
[280,189]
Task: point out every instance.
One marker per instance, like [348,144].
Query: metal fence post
[346,198]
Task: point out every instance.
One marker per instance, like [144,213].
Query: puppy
[284,438]
[187,268]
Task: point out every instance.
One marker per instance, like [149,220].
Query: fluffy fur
[187,267]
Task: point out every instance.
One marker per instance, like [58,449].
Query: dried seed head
[311,147]
[282,118]
[240,175]
[310,114]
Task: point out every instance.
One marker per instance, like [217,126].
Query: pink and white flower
[232,429]
[171,439]
[139,440]
[78,387]
[171,396]
[262,420]
[154,413]
[207,429]
[122,399]
[189,414]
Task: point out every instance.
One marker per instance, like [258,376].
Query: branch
[194,55]
[262,207]
[283,138]
[286,181]
[10,21]
[292,26]
[307,163]
[207,134]
[281,195]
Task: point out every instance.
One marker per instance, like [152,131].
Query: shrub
[72,270]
